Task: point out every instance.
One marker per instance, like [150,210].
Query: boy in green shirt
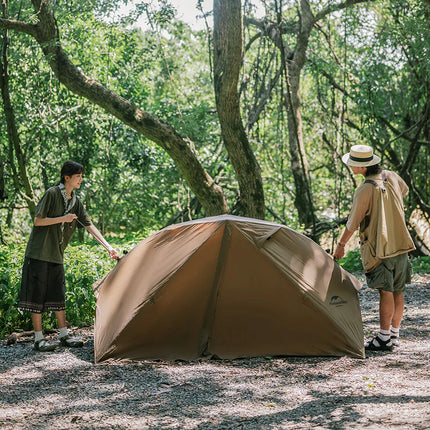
[43,281]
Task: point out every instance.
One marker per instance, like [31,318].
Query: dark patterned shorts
[42,286]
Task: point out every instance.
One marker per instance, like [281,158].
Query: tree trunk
[299,165]
[228,41]
[2,241]
[45,31]
[3,194]
[12,130]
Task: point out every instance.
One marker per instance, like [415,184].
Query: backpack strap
[370,181]
[374,183]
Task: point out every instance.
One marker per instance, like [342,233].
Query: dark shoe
[44,345]
[377,344]
[71,342]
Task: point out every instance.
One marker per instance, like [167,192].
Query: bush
[84,264]
[421,264]
[11,259]
[352,263]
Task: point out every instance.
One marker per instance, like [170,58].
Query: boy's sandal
[395,340]
[71,342]
[377,344]
[44,345]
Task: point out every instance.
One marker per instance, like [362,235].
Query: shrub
[421,264]
[352,261]
[84,264]
[11,259]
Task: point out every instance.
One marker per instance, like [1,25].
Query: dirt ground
[66,390]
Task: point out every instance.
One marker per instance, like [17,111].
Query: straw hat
[361,156]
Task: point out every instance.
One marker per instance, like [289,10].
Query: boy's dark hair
[373,170]
[70,168]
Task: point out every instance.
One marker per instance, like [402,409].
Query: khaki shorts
[391,275]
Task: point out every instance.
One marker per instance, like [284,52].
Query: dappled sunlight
[300,392]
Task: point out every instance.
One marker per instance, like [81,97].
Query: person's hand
[339,252]
[113,254]
[69,217]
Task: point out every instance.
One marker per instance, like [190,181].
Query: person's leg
[32,293]
[402,276]
[37,322]
[386,309]
[37,327]
[382,341]
[65,338]
[40,343]
[399,305]
[61,319]
[62,323]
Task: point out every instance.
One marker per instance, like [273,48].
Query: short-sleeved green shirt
[47,243]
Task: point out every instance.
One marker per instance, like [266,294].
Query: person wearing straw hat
[377,211]
[43,281]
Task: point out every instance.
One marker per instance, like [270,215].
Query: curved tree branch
[338,6]
[22,27]
[45,31]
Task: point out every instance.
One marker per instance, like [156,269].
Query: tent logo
[337,301]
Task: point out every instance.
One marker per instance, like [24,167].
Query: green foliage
[11,259]
[421,264]
[365,82]
[84,264]
[352,261]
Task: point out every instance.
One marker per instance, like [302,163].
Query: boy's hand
[69,217]
[339,252]
[113,254]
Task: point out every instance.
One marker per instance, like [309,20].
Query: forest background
[248,116]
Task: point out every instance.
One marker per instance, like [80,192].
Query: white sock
[63,331]
[38,335]
[395,331]
[384,335]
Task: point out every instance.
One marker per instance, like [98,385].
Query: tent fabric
[227,287]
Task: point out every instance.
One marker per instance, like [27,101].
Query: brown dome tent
[227,287]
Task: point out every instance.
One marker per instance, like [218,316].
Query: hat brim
[347,160]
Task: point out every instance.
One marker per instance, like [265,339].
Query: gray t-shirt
[47,243]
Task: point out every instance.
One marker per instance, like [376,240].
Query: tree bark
[299,164]
[12,131]
[228,45]
[45,31]
[3,194]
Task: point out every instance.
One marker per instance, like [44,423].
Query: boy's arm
[40,221]
[340,248]
[99,237]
